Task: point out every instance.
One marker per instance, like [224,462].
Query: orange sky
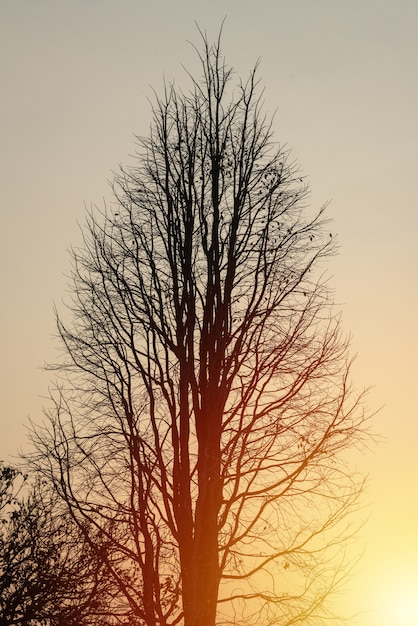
[343,75]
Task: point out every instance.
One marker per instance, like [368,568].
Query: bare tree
[203,409]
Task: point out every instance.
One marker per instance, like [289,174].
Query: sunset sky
[76,79]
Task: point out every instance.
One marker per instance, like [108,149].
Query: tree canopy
[49,576]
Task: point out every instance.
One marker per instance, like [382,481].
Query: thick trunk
[201,577]
[207,555]
[206,549]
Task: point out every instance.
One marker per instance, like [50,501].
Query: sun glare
[405,610]
[399,607]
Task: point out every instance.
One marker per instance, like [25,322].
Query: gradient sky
[343,75]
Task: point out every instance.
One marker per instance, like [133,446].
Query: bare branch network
[203,411]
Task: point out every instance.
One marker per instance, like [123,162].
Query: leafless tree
[203,409]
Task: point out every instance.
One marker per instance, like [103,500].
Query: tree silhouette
[203,409]
[49,576]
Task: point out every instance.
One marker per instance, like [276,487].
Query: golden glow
[403,610]
[398,602]
[348,112]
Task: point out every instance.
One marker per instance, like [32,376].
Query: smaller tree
[48,574]
[11,481]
